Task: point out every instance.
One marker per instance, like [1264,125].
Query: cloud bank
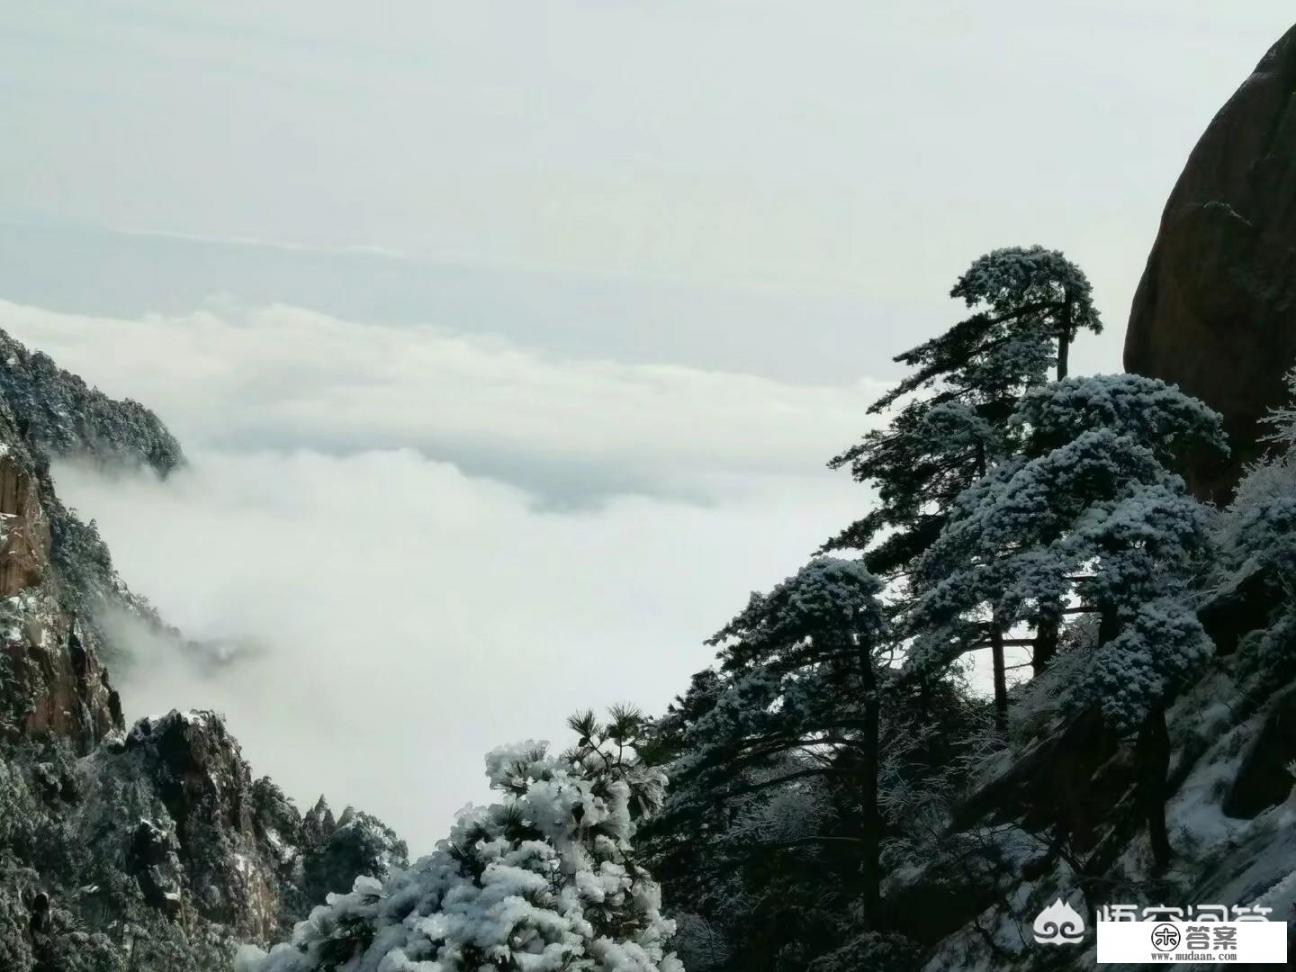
[406,610]
[566,429]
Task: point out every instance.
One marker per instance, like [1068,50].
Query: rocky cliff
[1215,311]
[153,848]
[50,671]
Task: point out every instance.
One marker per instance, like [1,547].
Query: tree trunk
[1064,338]
[871,823]
[1046,643]
[1152,759]
[1000,677]
[1108,624]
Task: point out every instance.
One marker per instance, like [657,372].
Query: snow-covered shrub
[545,880]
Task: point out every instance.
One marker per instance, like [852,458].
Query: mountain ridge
[125,849]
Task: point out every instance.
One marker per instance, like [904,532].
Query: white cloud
[287,377]
[409,615]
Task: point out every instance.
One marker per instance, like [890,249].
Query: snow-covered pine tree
[1029,304]
[545,881]
[1023,290]
[1090,519]
[786,764]
[797,701]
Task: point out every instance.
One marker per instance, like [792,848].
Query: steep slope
[1215,311]
[149,849]
[1057,817]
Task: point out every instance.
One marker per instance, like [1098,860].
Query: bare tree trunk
[1000,677]
[1064,338]
[1046,643]
[1108,624]
[1152,760]
[871,824]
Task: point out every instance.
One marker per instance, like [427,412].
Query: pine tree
[787,771]
[798,699]
[952,428]
[546,880]
[1028,290]
[1090,516]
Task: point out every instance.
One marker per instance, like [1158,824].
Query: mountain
[137,848]
[1215,311]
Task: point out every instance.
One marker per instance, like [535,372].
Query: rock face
[1215,311]
[52,679]
[123,852]
[25,536]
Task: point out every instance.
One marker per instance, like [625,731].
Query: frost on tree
[1031,290]
[950,425]
[1029,304]
[1090,519]
[802,771]
[797,703]
[545,880]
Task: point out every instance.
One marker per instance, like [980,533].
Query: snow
[524,884]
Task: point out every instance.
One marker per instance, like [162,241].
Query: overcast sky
[454,304]
[803,178]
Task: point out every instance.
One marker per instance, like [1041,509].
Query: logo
[1058,924]
[1165,937]
[1200,934]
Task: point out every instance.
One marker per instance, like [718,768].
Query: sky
[509,340]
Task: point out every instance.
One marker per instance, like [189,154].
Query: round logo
[1165,937]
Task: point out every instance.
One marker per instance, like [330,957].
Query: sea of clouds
[417,544]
